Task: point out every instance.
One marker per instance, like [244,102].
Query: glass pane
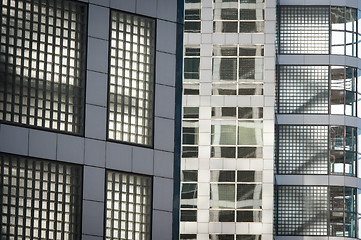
[249,176]
[223,152]
[189,152]
[250,112]
[189,195]
[221,216]
[191,68]
[249,216]
[338,18]
[192,14]
[224,69]
[251,27]
[249,196]
[223,112]
[225,27]
[337,159]
[222,196]
[189,175]
[338,42]
[337,102]
[250,132]
[192,27]
[250,152]
[224,89]
[190,112]
[351,19]
[337,77]
[222,176]
[250,89]
[188,216]
[190,132]
[351,139]
[223,133]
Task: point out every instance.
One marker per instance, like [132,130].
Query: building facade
[228,120]
[257,69]
[89,130]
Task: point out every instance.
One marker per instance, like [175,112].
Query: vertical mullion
[56,200]
[123,97]
[17,197]
[137,79]
[2,176]
[41,193]
[67,87]
[37,79]
[52,82]
[130,96]
[9,200]
[48,194]
[127,183]
[45,80]
[62,230]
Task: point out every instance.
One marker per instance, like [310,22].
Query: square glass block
[128,206]
[43,73]
[40,199]
[131,85]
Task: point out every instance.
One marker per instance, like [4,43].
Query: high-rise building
[89,132]
[271,111]
[228,120]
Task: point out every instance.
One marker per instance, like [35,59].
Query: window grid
[237,132]
[304,30]
[40,199]
[238,70]
[302,149]
[43,49]
[191,70]
[238,16]
[192,16]
[189,195]
[128,206]
[303,89]
[302,210]
[130,113]
[235,196]
[190,132]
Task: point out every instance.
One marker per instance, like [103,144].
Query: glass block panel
[128,206]
[39,199]
[130,113]
[302,149]
[304,29]
[43,63]
[302,210]
[303,89]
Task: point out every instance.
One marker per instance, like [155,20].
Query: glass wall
[318,30]
[305,210]
[316,150]
[317,90]
[191,70]
[39,199]
[43,63]
[131,80]
[192,16]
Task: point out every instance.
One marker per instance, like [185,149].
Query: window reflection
[235,190]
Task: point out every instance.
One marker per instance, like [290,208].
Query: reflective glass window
[192,16]
[191,70]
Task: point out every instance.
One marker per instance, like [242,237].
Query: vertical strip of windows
[192,16]
[131,84]
[128,206]
[191,70]
[39,199]
[238,70]
[189,196]
[42,64]
[190,132]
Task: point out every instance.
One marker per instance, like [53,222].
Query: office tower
[228,120]
[317,129]
[89,133]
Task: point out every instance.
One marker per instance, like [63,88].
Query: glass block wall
[317,90]
[40,199]
[42,64]
[130,114]
[128,206]
[316,211]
